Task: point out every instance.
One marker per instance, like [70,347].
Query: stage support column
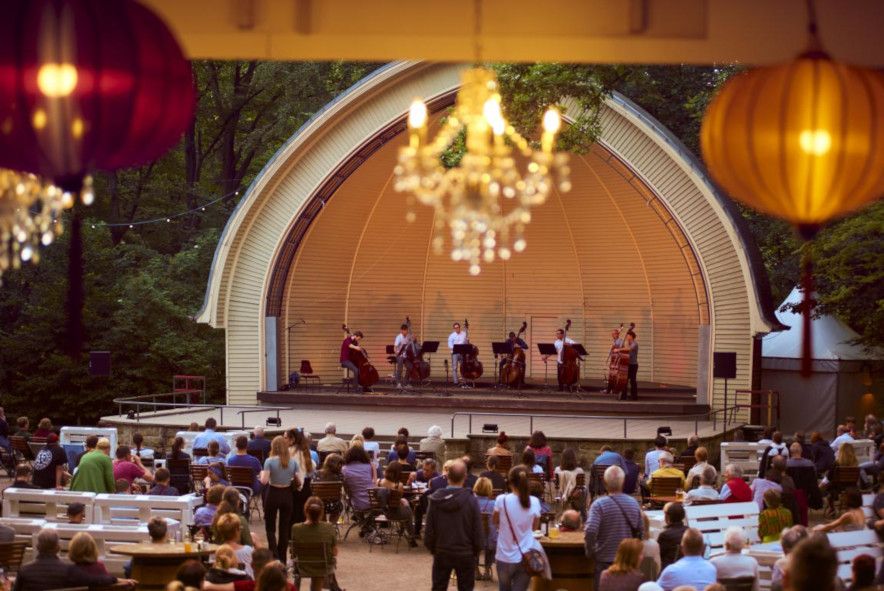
[270,357]
[704,365]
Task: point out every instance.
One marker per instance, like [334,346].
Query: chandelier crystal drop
[30,216]
[486,200]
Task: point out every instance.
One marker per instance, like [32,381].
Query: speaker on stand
[724,366]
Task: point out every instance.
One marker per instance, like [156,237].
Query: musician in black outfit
[631,347]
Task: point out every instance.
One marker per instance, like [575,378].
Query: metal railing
[711,415]
[150,402]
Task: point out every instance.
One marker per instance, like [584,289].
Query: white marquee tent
[842,372]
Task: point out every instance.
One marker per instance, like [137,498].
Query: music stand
[499,348]
[462,350]
[581,353]
[547,350]
[428,348]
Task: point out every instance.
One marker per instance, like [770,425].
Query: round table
[571,569]
[154,565]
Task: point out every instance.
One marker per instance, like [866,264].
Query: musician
[512,342]
[400,348]
[616,344]
[631,347]
[456,338]
[352,342]
[559,344]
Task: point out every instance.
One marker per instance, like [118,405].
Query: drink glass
[553,532]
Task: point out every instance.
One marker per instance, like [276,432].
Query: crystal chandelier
[30,216]
[486,200]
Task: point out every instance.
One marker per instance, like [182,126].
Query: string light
[166,218]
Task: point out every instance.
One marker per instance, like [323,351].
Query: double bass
[367,376]
[471,368]
[513,370]
[618,366]
[420,369]
[570,360]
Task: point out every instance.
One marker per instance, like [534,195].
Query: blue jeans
[456,362]
[512,577]
[349,365]
[464,567]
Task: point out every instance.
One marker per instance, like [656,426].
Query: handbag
[533,561]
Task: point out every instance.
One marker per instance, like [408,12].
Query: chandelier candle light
[485,200]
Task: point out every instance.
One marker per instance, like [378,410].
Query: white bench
[743,454]
[29,502]
[851,544]
[713,520]
[105,536]
[129,509]
[79,434]
[865,450]
[24,527]
[867,506]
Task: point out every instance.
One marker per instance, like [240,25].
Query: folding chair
[738,583]
[664,486]
[381,516]
[311,558]
[198,473]
[307,373]
[20,446]
[11,555]
[242,478]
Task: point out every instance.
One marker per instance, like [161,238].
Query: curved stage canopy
[321,239]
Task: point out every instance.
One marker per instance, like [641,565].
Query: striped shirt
[607,525]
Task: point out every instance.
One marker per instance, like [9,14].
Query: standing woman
[516,516]
[280,472]
[300,453]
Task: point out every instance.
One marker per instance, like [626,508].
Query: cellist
[514,341]
[352,342]
[616,343]
[559,344]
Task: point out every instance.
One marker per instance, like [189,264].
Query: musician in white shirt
[456,338]
[559,344]
[400,349]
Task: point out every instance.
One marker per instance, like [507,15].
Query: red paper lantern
[88,84]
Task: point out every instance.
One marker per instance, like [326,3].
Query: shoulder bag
[533,561]
[637,532]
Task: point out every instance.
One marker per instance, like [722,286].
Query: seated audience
[358,474]
[424,476]
[158,530]
[776,446]
[766,437]
[24,426]
[213,454]
[631,470]
[863,570]
[372,447]
[853,519]
[23,475]
[761,485]
[608,457]
[123,487]
[402,441]
[691,449]
[215,474]
[875,468]
[812,566]
[83,552]
[535,489]
[145,453]
[733,564]
[76,513]
[441,481]
[128,467]
[403,452]
[177,452]
[691,570]
[567,471]
[543,455]
[774,518]
[652,458]
[204,515]
[331,442]
[788,540]
[273,577]
[502,448]
[231,501]
[706,490]
[390,482]
[571,521]
[670,538]
[202,440]
[498,481]
[226,569]
[433,442]
[696,471]
[470,482]
[44,428]
[47,571]
[483,491]
[650,565]
[228,529]
[315,530]
[823,456]
[842,436]
[95,472]
[49,464]
[530,461]
[258,442]
[191,573]
[331,472]
[240,458]
[161,484]
[666,469]
[796,457]
[624,573]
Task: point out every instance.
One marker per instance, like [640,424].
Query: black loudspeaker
[724,365]
[99,363]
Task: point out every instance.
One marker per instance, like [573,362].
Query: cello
[570,357]
[471,368]
[367,375]
[420,369]
[618,366]
[513,370]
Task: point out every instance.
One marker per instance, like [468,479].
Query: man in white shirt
[706,490]
[559,344]
[331,442]
[400,349]
[843,437]
[733,564]
[456,338]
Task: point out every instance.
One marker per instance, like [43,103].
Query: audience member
[230,504]
[359,476]
[225,568]
[331,442]
[49,464]
[502,448]
[734,489]
[202,440]
[842,436]
[485,497]
[47,571]
[651,564]
[632,471]
[863,570]
[454,533]
[853,519]
[806,449]
[95,472]
[402,512]
[273,576]
[24,426]
[83,552]
[402,454]
[567,471]
[761,485]
[299,449]
[89,445]
[666,469]
[517,515]
[774,518]
[788,540]
[571,521]
[692,569]
[372,447]
[177,452]
[706,490]
[258,442]
[652,458]
[823,455]
[691,449]
[670,538]
[611,518]
[701,455]
[44,428]
[624,574]
[776,446]
[161,485]
[424,476]
[543,455]
[608,457]
[204,515]
[331,471]
[123,486]
[498,482]
[433,442]
[441,481]
[400,443]
[529,460]
[214,455]
[76,513]
[315,530]
[796,457]
[128,467]
[812,566]
[145,453]
[240,458]
[279,472]
[23,474]
[158,530]
[766,437]
[733,564]
[228,529]
[191,573]
[874,468]
[215,475]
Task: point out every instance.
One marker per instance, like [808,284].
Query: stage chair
[307,374]
[738,583]
[11,555]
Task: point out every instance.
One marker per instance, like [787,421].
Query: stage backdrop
[321,239]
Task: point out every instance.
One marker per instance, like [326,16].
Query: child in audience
[76,513]
[226,567]
[774,519]
[23,474]
[161,484]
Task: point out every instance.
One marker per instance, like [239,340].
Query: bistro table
[571,569]
[154,565]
